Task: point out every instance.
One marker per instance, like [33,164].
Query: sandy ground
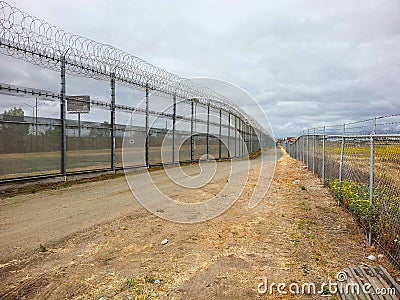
[99,242]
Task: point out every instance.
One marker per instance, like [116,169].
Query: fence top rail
[376,135]
[359,130]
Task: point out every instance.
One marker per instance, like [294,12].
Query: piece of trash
[103,298]
[305,167]
[371,257]
[380,256]
[157,281]
[297,181]
[164,242]
[154,294]
[398,278]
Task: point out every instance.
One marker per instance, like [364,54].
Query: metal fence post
[229,134]
[192,132]
[323,158]
[241,152]
[113,122]
[371,174]
[239,137]
[314,152]
[251,138]
[245,138]
[63,121]
[208,130]
[147,127]
[173,128]
[342,154]
[235,135]
[220,134]
[303,148]
[308,148]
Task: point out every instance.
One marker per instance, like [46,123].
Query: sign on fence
[78,104]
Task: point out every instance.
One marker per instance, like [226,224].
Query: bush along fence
[360,163]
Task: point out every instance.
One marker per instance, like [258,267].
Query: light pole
[34,115]
[33,124]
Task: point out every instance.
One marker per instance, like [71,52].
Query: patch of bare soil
[293,235]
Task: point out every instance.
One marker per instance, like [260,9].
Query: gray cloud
[306,62]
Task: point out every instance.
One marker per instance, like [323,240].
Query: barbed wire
[38,42]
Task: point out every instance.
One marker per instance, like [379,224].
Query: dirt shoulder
[293,235]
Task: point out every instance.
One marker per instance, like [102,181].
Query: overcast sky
[307,63]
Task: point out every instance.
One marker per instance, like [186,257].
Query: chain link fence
[360,163]
[31,145]
[176,120]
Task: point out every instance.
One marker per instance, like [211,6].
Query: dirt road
[293,235]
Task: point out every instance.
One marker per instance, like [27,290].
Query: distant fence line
[223,130]
[360,162]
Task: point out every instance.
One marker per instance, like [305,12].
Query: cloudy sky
[307,63]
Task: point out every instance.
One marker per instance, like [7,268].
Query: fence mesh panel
[360,162]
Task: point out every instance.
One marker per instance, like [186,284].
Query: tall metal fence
[360,162]
[186,120]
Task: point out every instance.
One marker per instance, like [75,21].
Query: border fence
[193,123]
[360,162]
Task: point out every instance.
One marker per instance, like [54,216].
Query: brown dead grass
[293,235]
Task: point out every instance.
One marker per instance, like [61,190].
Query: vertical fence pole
[63,121]
[243,129]
[251,138]
[147,127]
[314,152]
[245,138]
[239,137]
[79,125]
[229,134]
[241,125]
[323,157]
[208,130]
[371,174]
[113,122]
[303,148]
[173,129]
[191,132]
[342,154]
[308,148]
[220,134]
[236,129]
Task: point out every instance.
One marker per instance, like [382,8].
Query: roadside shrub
[382,217]
[354,196]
